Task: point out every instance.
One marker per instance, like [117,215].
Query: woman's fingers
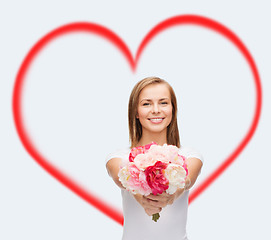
[151,211]
[155,197]
[155,203]
[150,206]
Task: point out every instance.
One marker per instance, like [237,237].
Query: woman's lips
[156,120]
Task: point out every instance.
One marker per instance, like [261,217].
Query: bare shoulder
[115,160]
[191,153]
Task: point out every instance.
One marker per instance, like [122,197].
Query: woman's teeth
[156,120]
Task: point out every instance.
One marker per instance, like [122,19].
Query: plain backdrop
[75,108]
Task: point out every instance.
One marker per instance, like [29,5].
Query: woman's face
[154,108]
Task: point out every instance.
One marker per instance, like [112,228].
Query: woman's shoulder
[190,152]
[122,153]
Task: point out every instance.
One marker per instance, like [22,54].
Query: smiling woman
[155,97]
[154,111]
[153,118]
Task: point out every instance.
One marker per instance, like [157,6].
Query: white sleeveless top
[172,222]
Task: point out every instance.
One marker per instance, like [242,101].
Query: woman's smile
[156,120]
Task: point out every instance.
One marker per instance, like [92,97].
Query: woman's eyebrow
[145,99]
[162,99]
[149,100]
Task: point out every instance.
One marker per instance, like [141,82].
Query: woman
[153,117]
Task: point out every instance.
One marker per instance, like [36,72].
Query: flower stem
[155,217]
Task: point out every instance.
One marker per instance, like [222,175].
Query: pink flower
[165,153]
[139,150]
[135,151]
[182,162]
[136,180]
[147,147]
[142,161]
[156,179]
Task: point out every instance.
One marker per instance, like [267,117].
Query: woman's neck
[158,138]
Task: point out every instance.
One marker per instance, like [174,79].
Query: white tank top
[172,222]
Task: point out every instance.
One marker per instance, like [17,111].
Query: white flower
[124,176]
[176,175]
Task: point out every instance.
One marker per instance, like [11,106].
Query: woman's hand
[165,199]
[150,206]
[154,203]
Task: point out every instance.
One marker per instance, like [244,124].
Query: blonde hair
[135,128]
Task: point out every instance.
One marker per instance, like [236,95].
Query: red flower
[156,179]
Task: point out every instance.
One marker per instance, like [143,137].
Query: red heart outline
[118,42]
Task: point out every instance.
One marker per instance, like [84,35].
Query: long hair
[135,128]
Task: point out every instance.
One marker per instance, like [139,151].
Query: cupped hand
[150,206]
[154,203]
[165,199]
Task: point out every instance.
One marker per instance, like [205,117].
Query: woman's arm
[113,167]
[194,166]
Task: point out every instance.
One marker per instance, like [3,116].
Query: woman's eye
[164,103]
[146,104]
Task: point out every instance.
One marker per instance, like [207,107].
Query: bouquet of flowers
[154,169]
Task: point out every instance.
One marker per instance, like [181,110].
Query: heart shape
[107,34]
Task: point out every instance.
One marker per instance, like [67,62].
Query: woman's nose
[155,108]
